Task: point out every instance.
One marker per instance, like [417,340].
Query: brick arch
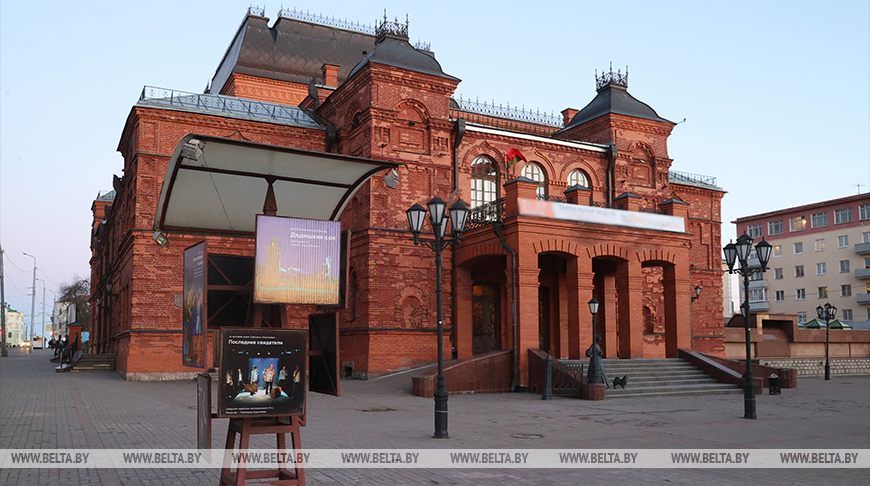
[656,255]
[608,250]
[484,150]
[638,146]
[544,162]
[463,254]
[415,106]
[408,295]
[556,245]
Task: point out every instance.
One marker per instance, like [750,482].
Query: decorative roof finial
[611,78]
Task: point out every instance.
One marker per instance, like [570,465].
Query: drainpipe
[497,229]
[612,152]
[458,132]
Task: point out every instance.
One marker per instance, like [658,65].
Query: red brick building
[343,90]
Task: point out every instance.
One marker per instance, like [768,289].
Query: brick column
[579,195]
[629,284]
[677,292]
[462,325]
[527,303]
[627,201]
[606,295]
[580,287]
[519,188]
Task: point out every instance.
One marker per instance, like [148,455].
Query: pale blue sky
[776,94]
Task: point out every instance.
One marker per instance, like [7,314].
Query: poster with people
[193,324]
[262,372]
[297,261]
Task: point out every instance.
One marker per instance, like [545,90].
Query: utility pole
[4,352]
[43,312]
[33,301]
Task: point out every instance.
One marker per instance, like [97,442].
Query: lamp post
[739,252]
[33,302]
[594,375]
[692,314]
[438,219]
[828,313]
[43,312]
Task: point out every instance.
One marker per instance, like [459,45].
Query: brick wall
[816,366]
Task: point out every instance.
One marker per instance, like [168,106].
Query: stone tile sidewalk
[41,409]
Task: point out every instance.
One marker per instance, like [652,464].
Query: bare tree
[78,292]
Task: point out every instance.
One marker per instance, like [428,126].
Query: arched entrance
[485,321]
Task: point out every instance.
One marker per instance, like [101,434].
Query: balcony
[862,273]
[758,284]
[864,299]
[862,248]
[758,306]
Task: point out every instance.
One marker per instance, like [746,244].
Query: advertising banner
[297,261]
[591,214]
[193,327]
[262,372]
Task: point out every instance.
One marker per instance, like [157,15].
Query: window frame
[541,190]
[755,230]
[800,294]
[798,223]
[775,227]
[843,215]
[485,179]
[819,220]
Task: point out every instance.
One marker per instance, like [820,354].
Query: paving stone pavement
[41,409]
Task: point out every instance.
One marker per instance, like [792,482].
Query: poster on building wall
[262,372]
[592,214]
[297,261]
[193,323]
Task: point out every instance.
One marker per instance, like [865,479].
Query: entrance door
[485,318]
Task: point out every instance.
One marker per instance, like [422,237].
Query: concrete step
[722,389]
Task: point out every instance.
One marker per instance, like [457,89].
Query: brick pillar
[527,325]
[677,292]
[579,195]
[606,295]
[627,202]
[463,324]
[580,287]
[675,207]
[559,339]
[519,188]
[629,284]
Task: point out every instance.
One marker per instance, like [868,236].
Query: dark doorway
[485,318]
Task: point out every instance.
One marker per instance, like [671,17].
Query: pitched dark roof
[291,50]
[613,98]
[395,51]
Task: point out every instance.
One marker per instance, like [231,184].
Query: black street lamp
[437,217]
[692,314]
[828,313]
[740,252]
[595,374]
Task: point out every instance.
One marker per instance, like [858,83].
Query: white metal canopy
[219,185]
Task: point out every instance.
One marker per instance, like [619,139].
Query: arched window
[484,181]
[577,178]
[534,172]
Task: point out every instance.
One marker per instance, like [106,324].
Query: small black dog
[620,382]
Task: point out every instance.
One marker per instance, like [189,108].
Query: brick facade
[643,278]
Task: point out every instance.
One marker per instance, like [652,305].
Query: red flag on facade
[513,156]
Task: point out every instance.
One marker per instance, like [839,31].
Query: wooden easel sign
[262,372]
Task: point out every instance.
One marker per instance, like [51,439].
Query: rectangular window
[843,241]
[798,270]
[865,237]
[864,212]
[867,262]
[847,314]
[777,274]
[823,292]
[756,276]
[780,295]
[821,268]
[844,266]
[802,317]
[801,294]
[820,219]
[777,250]
[842,215]
[846,290]
[820,244]
[754,230]
[775,227]
[798,248]
[797,224]
[758,295]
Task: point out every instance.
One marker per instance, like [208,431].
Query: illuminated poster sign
[193,327]
[297,261]
[592,214]
[262,372]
